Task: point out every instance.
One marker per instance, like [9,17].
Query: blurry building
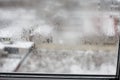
[15,46]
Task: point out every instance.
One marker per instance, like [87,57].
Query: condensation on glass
[59,36]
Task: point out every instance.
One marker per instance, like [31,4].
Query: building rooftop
[17,44]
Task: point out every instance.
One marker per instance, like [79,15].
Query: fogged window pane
[59,36]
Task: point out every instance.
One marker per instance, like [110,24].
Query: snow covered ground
[70,62]
[9,65]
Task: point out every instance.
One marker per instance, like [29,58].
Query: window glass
[66,36]
[11,50]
